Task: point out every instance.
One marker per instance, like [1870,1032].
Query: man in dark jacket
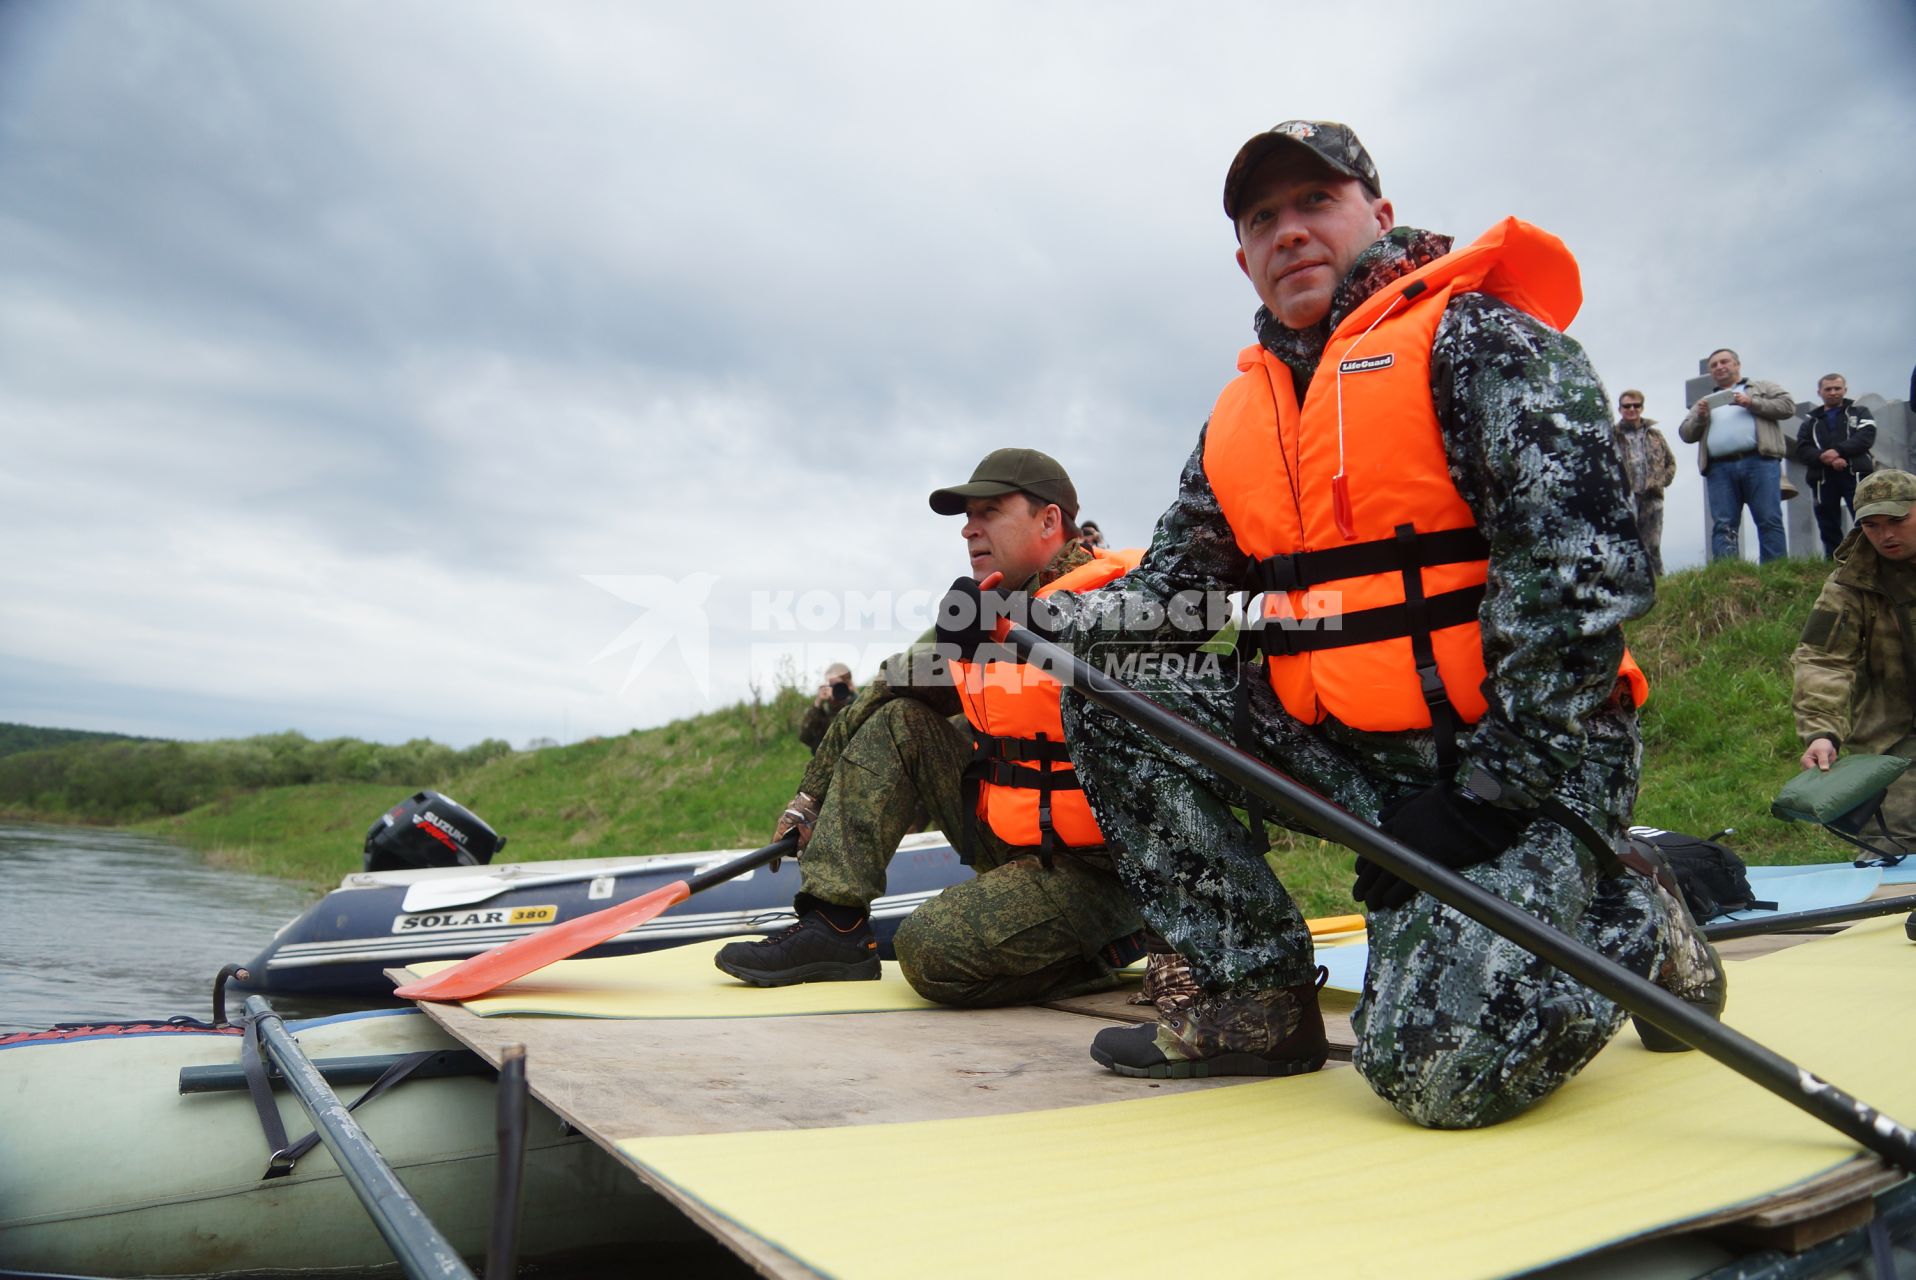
[1833,447]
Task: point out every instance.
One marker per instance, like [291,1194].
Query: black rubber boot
[812,950]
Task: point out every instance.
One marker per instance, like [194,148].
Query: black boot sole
[1225,1064]
[822,971]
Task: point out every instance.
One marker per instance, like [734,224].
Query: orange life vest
[1369,562]
[1027,791]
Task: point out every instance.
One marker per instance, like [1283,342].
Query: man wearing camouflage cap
[1407,404]
[1046,917]
[1855,689]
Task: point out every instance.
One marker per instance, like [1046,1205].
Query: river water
[104,926]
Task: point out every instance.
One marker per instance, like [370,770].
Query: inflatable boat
[382,919]
[112,1170]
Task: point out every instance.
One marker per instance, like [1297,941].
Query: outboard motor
[429,830]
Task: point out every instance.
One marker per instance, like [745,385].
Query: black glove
[964,619]
[969,615]
[1445,825]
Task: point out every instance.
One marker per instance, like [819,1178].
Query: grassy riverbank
[1718,743]
[711,782]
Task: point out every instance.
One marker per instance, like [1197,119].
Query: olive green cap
[1885,493]
[1011,471]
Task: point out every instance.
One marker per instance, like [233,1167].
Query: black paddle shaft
[786,846]
[1855,1119]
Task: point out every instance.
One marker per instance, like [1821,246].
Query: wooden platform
[619,1080]
[615,1080]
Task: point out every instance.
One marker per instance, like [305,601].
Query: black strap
[1585,832]
[1444,722]
[1047,837]
[1038,750]
[1000,761]
[286,1155]
[1292,636]
[1305,569]
[260,1088]
[1248,669]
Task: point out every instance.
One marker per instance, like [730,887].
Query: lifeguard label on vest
[1367,364]
[483,918]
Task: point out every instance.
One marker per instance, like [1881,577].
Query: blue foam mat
[1798,888]
[1808,888]
[1902,873]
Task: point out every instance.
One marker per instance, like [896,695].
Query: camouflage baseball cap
[1885,493]
[1331,143]
[1011,471]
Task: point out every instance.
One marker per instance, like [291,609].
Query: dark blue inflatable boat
[377,920]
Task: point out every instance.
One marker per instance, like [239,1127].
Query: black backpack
[1711,876]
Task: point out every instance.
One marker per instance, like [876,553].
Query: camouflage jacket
[1648,464]
[816,720]
[1852,670]
[1532,450]
[915,673]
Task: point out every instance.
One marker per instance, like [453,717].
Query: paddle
[1851,1117]
[515,959]
[1805,919]
[437,895]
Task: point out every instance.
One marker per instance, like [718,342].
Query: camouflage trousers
[1650,528]
[1456,1027]
[1018,933]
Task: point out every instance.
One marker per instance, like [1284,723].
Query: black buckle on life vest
[1274,573]
[999,761]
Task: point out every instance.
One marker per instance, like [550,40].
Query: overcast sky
[541,370]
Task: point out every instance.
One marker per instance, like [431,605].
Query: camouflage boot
[1691,969]
[1257,1033]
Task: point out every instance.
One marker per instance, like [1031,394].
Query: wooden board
[618,1080]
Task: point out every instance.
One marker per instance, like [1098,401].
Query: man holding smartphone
[837,690]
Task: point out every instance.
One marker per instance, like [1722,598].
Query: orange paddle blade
[1322,925]
[513,960]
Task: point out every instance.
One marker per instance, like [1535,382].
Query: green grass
[1717,735]
[715,781]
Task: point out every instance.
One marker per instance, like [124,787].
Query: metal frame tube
[502,1248]
[1809,919]
[1849,1116]
[417,1244]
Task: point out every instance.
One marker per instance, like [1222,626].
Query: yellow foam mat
[679,982]
[1238,1181]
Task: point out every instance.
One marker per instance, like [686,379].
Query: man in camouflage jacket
[1026,929]
[1457,1027]
[1854,684]
[1648,467]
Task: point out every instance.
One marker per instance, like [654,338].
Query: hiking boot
[1691,970]
[812,950]
[1257,1033]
